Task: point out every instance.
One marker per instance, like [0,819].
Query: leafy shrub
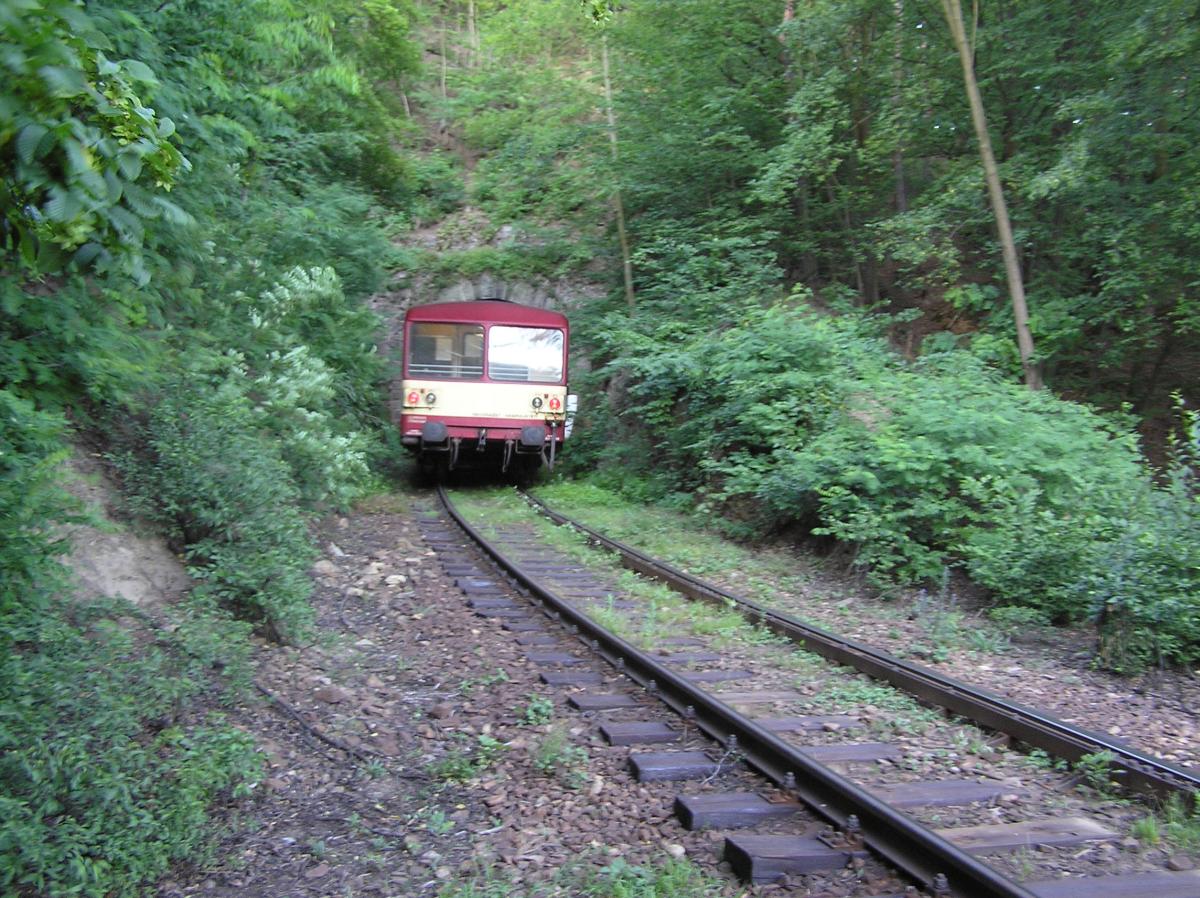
[793,416]
[1013,619]
[92,801]
[232,446]
[306,307]
[437,184]
[297,395]
[1142,580]
[31,500]
[201,466]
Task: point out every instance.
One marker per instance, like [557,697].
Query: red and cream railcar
[484,381]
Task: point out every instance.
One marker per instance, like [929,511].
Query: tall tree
[1012,266]
[618,203]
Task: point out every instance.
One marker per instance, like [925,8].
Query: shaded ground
[402,744]
[420,694]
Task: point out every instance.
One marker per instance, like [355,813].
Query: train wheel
[432,469]
[526,469]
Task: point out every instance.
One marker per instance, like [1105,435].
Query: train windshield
[531,354]
[445,350]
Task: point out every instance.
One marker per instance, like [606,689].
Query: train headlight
[412,398]
[430,398]
[537,403]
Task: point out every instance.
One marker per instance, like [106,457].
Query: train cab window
[531,354]
[445,350]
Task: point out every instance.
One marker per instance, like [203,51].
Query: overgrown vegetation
[828,157]
[1176,825]
[190,220]
[617,879]
[791,416]
[192,215]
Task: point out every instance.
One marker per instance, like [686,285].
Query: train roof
[488,311]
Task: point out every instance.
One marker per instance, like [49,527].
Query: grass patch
[686,541]
[463,764]
[555,756]
[846,695]
[662,613]
[673,878]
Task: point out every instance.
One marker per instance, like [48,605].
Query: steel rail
[1135,769]
[913,848]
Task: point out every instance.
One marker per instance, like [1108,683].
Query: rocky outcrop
[106,556]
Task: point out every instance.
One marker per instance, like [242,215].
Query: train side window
[472,363]
[445,350]
[530,354]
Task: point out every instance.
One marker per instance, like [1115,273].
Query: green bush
[99,790]
[201,465]
[437,183]
[32,451]
[233,446]
[806,418]
[1142,581]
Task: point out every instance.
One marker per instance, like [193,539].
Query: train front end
[484,384]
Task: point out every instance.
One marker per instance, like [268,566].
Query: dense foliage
[793,416]
[837,141]
[196,198]
[827,147]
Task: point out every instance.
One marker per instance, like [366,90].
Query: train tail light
[412,398]
[555,404]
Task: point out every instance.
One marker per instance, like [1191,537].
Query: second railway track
[892,820]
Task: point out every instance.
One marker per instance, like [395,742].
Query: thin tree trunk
[444,63]
[618,205]
[897,82]
[1016,287]
[472,35]
[809,268]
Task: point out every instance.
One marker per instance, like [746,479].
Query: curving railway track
[810,813]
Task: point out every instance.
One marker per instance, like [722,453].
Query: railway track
[815,814]
[1134,769]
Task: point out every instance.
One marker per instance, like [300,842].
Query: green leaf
[139,71]
[63,82]
[87,254]
[29,140]
[171,212]
[130,165]
[63,206]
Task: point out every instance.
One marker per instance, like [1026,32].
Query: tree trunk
[472,35]
[897,82]
[1016,287]
[810,268]
[442,42]
[618,205]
